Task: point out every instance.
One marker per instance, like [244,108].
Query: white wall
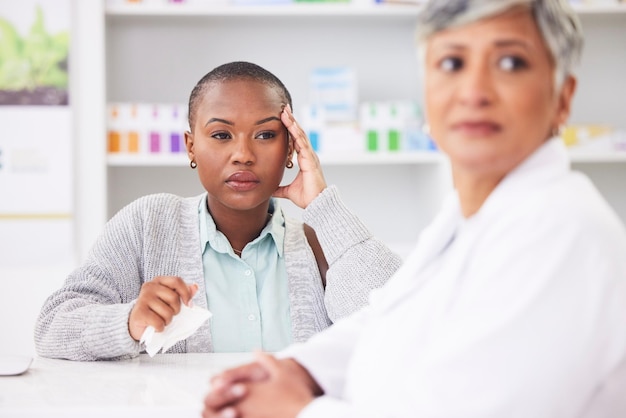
[24,292]
[25,289]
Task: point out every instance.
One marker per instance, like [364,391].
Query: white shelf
[600,9]
[173,160]
[301,9]
[598,157]
[415,157]
[164,160]
[147,160]
[294,9]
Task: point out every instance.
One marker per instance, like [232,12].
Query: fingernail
[237,390]
[228,413]
[217,383]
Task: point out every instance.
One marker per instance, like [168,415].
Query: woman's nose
[476,88]
[242,152]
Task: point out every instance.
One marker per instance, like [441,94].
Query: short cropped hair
[558,24]
[237,70]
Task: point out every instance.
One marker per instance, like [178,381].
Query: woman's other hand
[159,300]
[309,181]
[267,388]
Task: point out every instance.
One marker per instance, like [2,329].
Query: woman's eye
[266,135]
[220,135]
[451,64]
[512,63]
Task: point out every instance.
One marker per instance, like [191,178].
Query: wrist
[305,377]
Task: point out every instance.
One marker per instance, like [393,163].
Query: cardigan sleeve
[87,318]
[357,261]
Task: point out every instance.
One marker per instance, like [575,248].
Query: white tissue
[185,323]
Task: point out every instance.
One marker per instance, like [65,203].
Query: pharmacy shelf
[147,160]
[598,157]
[373,158]
[600,9]
[290,9]
[165,160]
[411,185]
[416,157]
[405,11]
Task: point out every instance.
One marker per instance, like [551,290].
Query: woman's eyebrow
[449,45]
[262,121]
[227,122]
[512,42]
[498,42]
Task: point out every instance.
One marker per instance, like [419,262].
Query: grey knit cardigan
[87,319]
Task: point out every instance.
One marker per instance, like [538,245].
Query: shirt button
[251,317]
[247,272]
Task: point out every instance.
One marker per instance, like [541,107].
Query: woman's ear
[566,96]
[189,145]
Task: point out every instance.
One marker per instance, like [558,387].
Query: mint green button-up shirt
[248,296]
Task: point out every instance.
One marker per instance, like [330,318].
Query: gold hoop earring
[193,164]
[289,164]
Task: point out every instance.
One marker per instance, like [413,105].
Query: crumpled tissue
[185,323]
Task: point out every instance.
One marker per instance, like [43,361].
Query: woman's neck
[473,190]
[240,227]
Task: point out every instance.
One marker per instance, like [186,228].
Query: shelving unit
[155,54]
[305,9]
[294,9]
[169,160]
[178,160]
[598,157]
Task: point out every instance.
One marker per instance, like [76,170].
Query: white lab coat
[518,311]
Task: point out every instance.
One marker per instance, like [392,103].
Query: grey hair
[558,24]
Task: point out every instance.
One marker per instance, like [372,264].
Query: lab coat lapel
[432,242]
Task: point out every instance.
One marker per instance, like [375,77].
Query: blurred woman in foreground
[513,304]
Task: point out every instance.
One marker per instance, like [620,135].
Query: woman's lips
[243,181]
[477,129]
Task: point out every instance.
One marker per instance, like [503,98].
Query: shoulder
[574,203]
[164,200]
[161,208]
[565,218]
[161,203]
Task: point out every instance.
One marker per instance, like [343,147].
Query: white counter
[167,385]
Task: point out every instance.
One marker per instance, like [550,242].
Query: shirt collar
[209,235]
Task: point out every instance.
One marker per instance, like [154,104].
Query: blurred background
[93,98]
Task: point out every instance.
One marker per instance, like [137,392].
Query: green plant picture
[33,67]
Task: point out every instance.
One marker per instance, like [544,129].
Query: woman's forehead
[241,92]
[241,85]
[239,102]
[513,27]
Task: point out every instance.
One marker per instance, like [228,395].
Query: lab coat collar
[547,162]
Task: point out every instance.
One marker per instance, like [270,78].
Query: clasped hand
[266,388]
